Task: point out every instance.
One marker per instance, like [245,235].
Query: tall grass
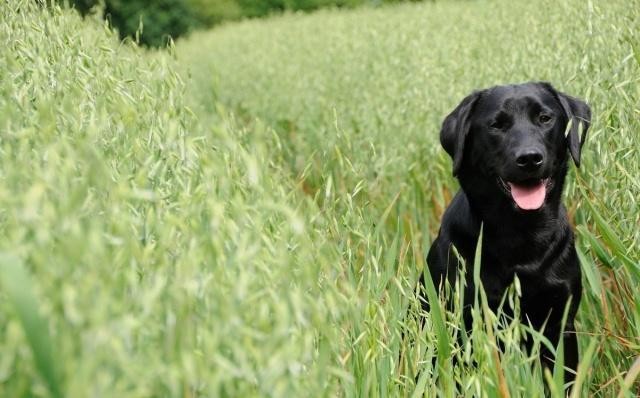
[165,257]
[356,99]
[251,219]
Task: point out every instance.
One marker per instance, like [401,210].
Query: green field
[247,213]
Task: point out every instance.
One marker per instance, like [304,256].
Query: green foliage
[167,258]
[157,239]
[15,281]
[160,19]
[164,19]
[357,99]
[212,12]
[259,8]
[151,22]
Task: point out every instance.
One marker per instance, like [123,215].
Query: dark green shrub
[159,19]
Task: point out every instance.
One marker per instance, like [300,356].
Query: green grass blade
[442,334]
[630,378]
[18,287]
[610,237]
[590,272]
[584,368]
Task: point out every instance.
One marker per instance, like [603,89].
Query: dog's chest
[515,252]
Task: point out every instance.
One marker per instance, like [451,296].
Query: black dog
[509,146]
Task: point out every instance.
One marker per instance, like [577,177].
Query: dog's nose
[530,159]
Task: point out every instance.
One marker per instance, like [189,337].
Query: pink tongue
[528,198]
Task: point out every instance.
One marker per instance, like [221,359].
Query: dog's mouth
[528,194]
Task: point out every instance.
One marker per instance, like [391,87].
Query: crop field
[247,212]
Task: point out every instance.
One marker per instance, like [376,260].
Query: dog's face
[516,138]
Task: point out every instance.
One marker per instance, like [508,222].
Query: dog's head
[516,137]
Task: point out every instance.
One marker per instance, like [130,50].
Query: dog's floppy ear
[579,115]
[455,129]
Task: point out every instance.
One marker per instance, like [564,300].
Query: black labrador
[510,146]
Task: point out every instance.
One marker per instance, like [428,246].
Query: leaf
[590,272]
[18,287]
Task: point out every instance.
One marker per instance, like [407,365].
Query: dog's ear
[455,129]
[579,115]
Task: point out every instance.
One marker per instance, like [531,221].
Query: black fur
[486,136]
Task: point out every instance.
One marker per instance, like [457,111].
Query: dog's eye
[501,122]
[544,119]
[498,124]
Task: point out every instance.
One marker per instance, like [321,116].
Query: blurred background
[156,21]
